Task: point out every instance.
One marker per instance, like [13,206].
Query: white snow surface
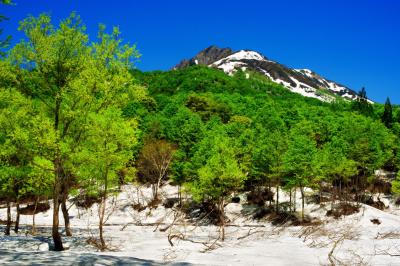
[230,67]
[138,240]
[243,54]
[232,63]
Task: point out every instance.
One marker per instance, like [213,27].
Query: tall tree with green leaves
[14,155]
[219,177]
[267,160]
[23,129]
[72,79]
[39,182]
[107,149]
[330,165]
[299,157]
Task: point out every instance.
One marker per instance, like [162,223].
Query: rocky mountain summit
[302,81]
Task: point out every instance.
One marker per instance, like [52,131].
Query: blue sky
[354,42]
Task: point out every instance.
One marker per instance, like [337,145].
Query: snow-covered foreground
[141,238]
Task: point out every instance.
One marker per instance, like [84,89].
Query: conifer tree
[387,116]
[361,104]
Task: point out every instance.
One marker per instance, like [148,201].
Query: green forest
[77,119]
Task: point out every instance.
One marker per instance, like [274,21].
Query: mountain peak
[303,81]
[206,57]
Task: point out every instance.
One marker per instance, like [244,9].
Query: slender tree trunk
[269,190]
[277,200]
[153,188]
[332,196]
[180,195]
[101,221]
[58,246]
[16,228]
[103,210]
[357,187]
[66,216]
[8,225]
[157,186]
[58,179]
[222,219]
[302,203]
[362,186]
[294,199]
[34,215]
[320,193]
[290,200]
[64,196]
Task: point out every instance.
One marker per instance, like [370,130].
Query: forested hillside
[244,133]
[77,120]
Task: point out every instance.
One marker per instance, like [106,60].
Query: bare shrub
[259,196]
[30,209]
[343,209]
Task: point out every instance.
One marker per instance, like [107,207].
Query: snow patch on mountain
[301,81]
[249,55]
[300,88]
[230,67]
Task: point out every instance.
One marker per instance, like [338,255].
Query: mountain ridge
[302,81]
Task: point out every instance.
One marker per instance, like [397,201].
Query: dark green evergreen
[387,116]
[362,105]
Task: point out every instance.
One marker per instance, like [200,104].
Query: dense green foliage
[6,41]
[277,138]
[79,90]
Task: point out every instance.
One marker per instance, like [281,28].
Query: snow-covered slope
[302,81]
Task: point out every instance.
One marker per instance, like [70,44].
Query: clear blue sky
[354,42]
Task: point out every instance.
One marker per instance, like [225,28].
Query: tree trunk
[332,196]
[157,186]
[294,200]
[180,195]
[66,216]
[103,210]
[357,187]
[58,246]
[269,190]
[222,219]
[290,200]
[34,215]
[58,179]
[153,188]
[8,226]
[16,228]
[277,200]
[101,221]
[302,203]
[320,193]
